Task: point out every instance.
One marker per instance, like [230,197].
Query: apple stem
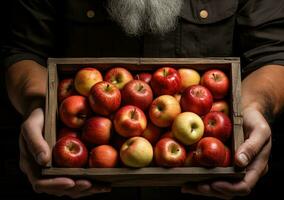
[107,87]
[140,88]
[199,93]
[165,72]
[82,116]
[212,122]
[175,150]
[73,148]
[133,113]
[215,77]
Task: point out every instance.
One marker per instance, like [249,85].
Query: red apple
[151,133]
[137,93]
[103,156]
[218,125]
[217,82]
[136,152]
[220,106]
[130,121]
[67,132]
[210,152]
[85,79]
[189,77]
[118,76]
[166,81]
[163,110]
[66,89]
[104,98]
[74,111]
[227,161]
[197,99]
[70,152]
[188,128]
[169,153]
[144,77]
[97,131]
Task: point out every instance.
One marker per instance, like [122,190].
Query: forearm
[26,85]
[264,89]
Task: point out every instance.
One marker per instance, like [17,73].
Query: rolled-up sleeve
[260,33]
[31,33]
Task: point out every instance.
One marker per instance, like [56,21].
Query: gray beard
[137,17]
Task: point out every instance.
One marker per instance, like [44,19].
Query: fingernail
[40,158]
[243,159]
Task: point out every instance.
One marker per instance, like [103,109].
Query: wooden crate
[149,176]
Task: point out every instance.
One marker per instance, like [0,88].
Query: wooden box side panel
[70,66]
[238,135]
[51,107]
[150,176]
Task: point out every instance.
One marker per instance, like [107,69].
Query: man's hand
[262,100]
[35,152]
[253,154]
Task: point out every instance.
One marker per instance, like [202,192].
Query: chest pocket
[207,27]
[84,11]
[208,11]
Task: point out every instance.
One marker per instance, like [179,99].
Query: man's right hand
[35,152]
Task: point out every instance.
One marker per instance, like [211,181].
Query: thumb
[253,145]
[32,132]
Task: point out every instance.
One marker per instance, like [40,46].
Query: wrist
[265,107]
[26,83]
[263,91]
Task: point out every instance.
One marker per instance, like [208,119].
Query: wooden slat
[236,89]
[149,176]
[139,61]
[238,134]
[51,107]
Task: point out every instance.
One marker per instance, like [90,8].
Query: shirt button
[90,13]
[203,14]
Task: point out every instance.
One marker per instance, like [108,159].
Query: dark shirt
[250,29]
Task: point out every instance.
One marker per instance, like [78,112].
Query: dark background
[13,182]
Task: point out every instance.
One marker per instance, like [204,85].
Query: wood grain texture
[51,107]
[238,135]
[149,176]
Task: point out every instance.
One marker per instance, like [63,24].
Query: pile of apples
[166,118]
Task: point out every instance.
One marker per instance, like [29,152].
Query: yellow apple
[136,152]
[163,110]
[189,77]
[85,79]
[188,128]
